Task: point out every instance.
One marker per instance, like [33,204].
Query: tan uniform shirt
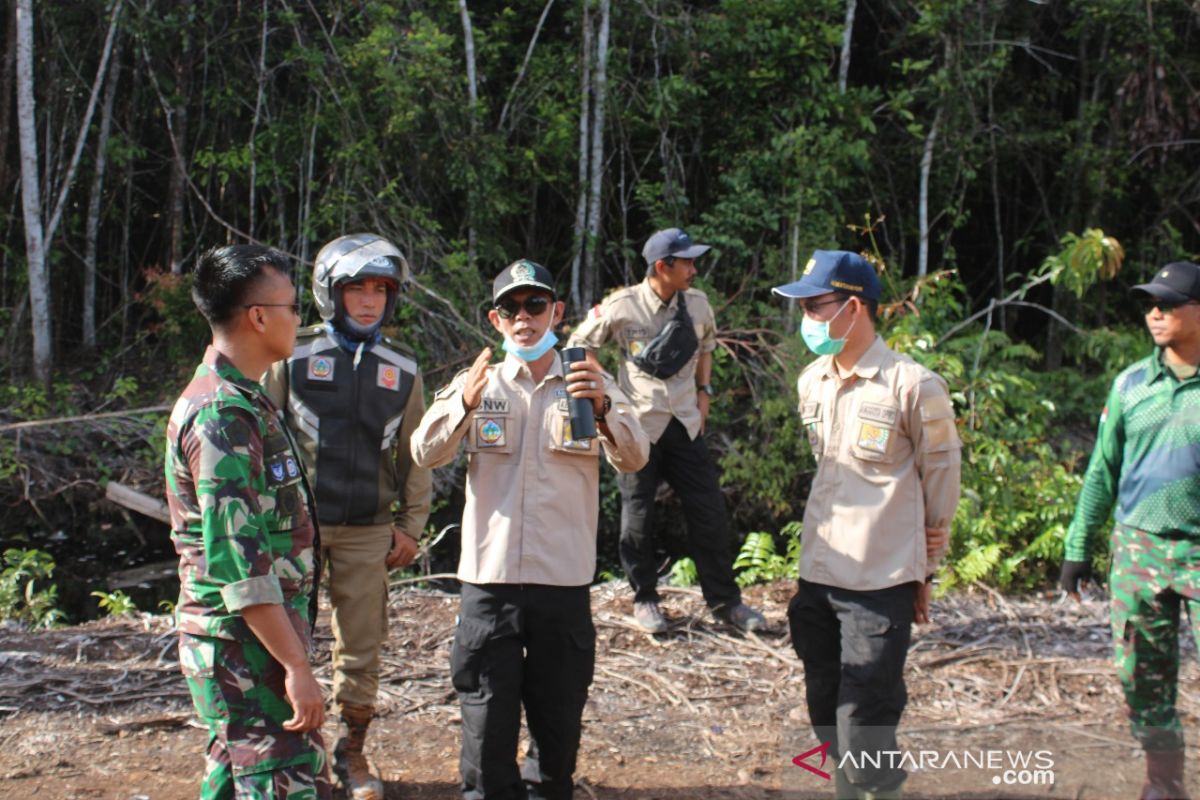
[888,460]
[532,496]
[633,316]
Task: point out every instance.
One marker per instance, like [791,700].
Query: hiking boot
[649,618]
[740,616]
[355,773]
[1164,776]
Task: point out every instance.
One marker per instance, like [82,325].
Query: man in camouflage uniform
[354,396]
[244,531]
[1145,461]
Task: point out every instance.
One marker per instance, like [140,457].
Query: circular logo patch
[523,272]
[322,367]
[490,432]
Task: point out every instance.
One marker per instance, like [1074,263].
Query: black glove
[1072,573]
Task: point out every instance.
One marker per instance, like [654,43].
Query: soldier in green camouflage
[1147,462]
[243,527]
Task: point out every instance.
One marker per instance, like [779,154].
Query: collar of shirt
[868,364]
[651,298]
[511,367]
[219,363]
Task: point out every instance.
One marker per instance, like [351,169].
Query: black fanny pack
[674,346]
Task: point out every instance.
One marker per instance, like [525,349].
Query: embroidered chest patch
[491,433]
[874,437]
[320,368]
[388,377]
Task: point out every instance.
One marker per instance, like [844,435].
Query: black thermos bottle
[583,412]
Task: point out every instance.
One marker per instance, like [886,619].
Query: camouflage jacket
[240,505]
[1145,459]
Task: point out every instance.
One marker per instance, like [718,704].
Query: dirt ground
[701,713]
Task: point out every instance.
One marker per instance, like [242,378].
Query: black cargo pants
[688,468]
[517,645]
[854,645]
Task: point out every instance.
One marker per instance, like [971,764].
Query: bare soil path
[701,713]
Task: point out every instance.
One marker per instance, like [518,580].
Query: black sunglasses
[813,308]
[1148,304]
[295,307]
[534,305]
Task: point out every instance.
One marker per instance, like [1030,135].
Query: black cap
[1177,282]
[520,274]
[834,271]
[672,242]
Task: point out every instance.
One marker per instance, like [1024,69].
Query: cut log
[140,502]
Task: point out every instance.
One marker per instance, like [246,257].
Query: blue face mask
[533,352]
[816,334]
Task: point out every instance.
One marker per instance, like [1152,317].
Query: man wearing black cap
[667,335]
[1145,463]
[525,635]
[882,430]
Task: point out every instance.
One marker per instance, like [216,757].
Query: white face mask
[533,352]
[816,334]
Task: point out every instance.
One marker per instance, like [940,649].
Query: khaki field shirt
[888,462]
[633,316]
[533,493]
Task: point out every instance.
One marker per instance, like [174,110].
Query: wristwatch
[707,388]
[605,409]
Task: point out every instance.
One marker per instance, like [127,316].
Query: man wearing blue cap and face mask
[882,430]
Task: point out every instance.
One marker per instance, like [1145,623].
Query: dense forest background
[1012,166]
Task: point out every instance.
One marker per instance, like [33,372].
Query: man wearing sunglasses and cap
[882,430]
[525,635]
[1145,463]
[667,335]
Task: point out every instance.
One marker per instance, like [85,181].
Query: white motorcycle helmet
[356,257]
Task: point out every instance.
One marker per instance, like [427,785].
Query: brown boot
[357,776]
[1164,776]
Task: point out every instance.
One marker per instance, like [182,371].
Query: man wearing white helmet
[353,397]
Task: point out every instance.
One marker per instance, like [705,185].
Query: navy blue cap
[1177,282]
[672,242]
[522,274]
[834,271]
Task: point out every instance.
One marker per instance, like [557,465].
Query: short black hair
[224,274]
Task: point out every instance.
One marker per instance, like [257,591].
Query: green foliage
[683,573]
[183,331]
[116,603]
[758,561]
[26,596]
[1084,260]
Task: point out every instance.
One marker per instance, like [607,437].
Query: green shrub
[22,597]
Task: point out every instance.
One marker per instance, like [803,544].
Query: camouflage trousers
[237,689]
[1153,577]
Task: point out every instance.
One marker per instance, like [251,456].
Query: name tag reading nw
[495,405]
[878,413]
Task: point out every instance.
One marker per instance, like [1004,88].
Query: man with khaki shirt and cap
[525,635]
[667,335]
[882,430]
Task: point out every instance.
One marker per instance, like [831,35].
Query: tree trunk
[258,104]
[847,35]
[596,181]
[93,215]
[177,188]
[923,199]
[31,200]
[473,101]
[6,90]
[585,89]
